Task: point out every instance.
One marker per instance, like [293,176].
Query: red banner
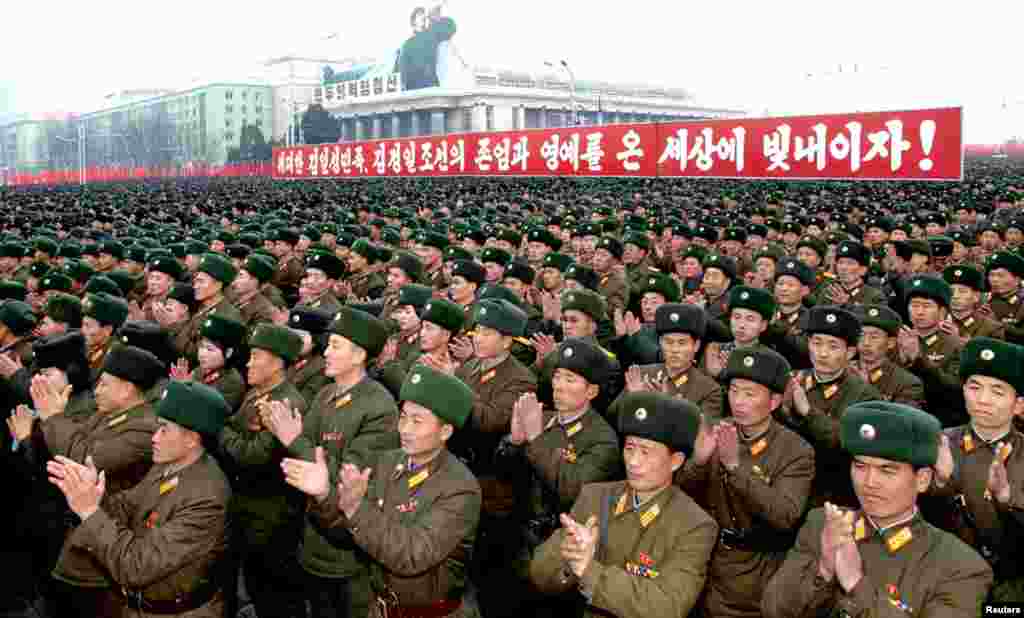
[907,145]
[119,174]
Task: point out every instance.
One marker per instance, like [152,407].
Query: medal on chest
[344,401]
[830,391]
[896,542]
[569,453]
[417,479]
[487,377]
[168,486]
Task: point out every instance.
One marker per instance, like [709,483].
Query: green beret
[612,246]
[456,252]
[124,280]
[226,333]
[195,247]
[64,308]
[754,299]
[496,256]
[113,248]
[39,269]
[362,329]
[558,261]
[140,367]
[994,358]
[18,317]
[1006,260]
[584,359]
[680,318]
[12,290]
[218,267]
[60,351]
[520,271]
[446,396]
[148,336]
[639,239]
[313,321]
[408,263]
[470,271]
[78,270]
[500,292]
[761,365]
[891,431]
[962,274]
[285,235]
[106,309]
[46,245]
[103,284]
[238,251]
[585,301]
[815,244]
[502,316]
[931,287]
[12,249]
[724,263]
[55,281]
[696,252]
[194,406]
[545,237]
[70,250]
[663,284]
[445,314]
[942,246]
[330,264]
[919,247]
[415,295]
[660,418]
[260,267]
[433,239]
[855,251]
[584,275]
[279,340]
[364,248]
[735,233]
[881,316]
[771,251]
[831,320]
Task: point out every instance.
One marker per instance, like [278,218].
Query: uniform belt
[180,604]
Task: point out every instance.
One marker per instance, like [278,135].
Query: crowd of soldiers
[507,397]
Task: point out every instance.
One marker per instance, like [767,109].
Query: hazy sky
[756,56]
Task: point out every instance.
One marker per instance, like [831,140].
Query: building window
[258,110]
[243,109]
[245,94]
[259,122]
[227,122]
[229,109]
[229,94]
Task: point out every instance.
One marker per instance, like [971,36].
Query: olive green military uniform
[995,530]
[436,279]
[820,427]
[289,273]
[228,383]
[859,295]
[976,325]
[898,385]
[352,426]
[1008,309]
[96,358]
[367,284]
[693,385]
[418,525]
[496,388]
[654,562]
[224,309]
[326,301]
[274,295]
[786,336]
[121,445]
[257,310]
[163,540]
[307,375]
[637,274]
[938,367]
[265,511]
[615,290]
[758,508]
[909,570]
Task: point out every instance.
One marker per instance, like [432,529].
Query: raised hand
[309,477]
[352,486]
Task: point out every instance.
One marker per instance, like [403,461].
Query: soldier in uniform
[215,273]
[931,353]
[289,265]
[849,287]
[719,276]
[323,271]
[266,514]
[880,558]
[638,547]
[413,511]
[163,271]
[750,312]
[612,283]
[636,341]
[117,438]
[17,321]
[681,329]
[439,322]
[875,351]
[1003,271]
[363,281]
[62,313]
[255,308]
[307,372]
[162,540]
[967,284]
[430,248]
[753,475]
[785,334]
[467,279]
[555,454]
[174,315]
[353,419]
[219,354]
[636,248]
[405,269]
[817,398]
[980,465]
[103,315]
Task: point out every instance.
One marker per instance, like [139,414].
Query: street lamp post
[574,115]
[80,142]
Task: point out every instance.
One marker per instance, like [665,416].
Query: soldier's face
[433,337]
[649,464]
[421,433]
[113,394]
[172,442]
[714,282]
[342,357]
[56,377]
[570,391]
[691,268]
[535,251]
[632,254]
[828,353]
[809,257]
[1002,281]
[873,345]
[489,343]
[494,272]
[850,271]
[205,286]
[211,357]
[747,325]
[766,269]
[48,326]
[95,333]
[602,260]
[751,403]
[315,282]
[678,350]
[551,278]
[992,403]
[577,324]
[517,286]
[887,490]
[396,279]
[406,317]
[925,314]
[262,367]
[245,283]
[649,304]
[965,299]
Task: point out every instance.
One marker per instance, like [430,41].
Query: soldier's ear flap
[924,478]
[447,429]
[677,459]
[593,390]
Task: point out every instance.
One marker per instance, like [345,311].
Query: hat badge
[46,282]
[844,250]
[868,431]
[415,379]
[427,307]
[674,317]
[744,295]
[958,273]
[873,313]
[567,353]
[987,355]
[748,361]
[208,323]
[164,394]
[337,317]
[917,283]
[295,318]
[791,265]
[714,258]
[570,298]
[483,310]
[652,281]
[124,339]
[156,262]
[640,414]
[830,318]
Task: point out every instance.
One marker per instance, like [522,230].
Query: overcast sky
[780,57]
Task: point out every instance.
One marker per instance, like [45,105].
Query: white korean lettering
[457,155]
[775,148]
[441,156]
[594,153]
[359,160]
[631,140]
[483,157]
[888,144]
[325,160]
[380,159]
[427,156]
[814,147]
[395,158]
[409,157]
[335,156]
[346,160]
[842,147]
[521,152]
[502,153]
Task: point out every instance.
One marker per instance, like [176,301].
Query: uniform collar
[490,363]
